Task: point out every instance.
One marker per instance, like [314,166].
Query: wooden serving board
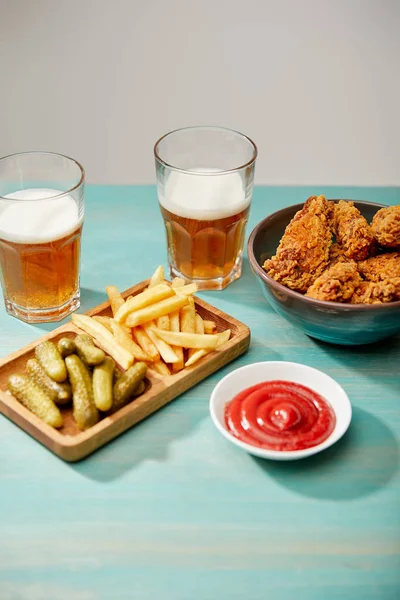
[69,443]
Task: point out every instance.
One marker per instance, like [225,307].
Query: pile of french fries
[159,326]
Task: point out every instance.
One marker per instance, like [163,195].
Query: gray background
[315,83]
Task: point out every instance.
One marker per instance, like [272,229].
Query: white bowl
[244,377]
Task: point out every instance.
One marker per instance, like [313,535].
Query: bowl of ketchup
[280,410]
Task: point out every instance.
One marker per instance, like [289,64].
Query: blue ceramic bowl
[334,322]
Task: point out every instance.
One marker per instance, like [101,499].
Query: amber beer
[205,219]
[205,249]
[41,276]
[40,240]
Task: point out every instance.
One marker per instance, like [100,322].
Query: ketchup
[280,415]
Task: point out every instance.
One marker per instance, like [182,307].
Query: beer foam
[203,197]
[36,217]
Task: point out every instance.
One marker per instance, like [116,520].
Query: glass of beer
[204,182]
[41,218]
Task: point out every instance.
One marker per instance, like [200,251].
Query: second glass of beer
[41,218]
[205,181]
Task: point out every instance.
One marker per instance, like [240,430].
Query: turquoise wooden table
[171,510]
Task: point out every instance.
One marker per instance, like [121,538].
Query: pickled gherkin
[139,390]
[51,360]
[103,376]
[66,346]
[60,393]
[125,386]
[87,351]
[84,409]
[31,395]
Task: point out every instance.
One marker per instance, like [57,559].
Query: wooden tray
[69,443]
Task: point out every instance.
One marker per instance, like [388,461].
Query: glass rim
[45,153]
[206,173]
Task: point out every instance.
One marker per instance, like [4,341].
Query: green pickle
[31,395]
[51,360]
[127,384]
[139,390]
[87,351]
[60,393]
[103,384]
[66,346]
[84,409]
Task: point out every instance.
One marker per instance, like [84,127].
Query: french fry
[178,366]
[187,340]
[157,277]
[199,328]
[199,324]
[188,319]
[160,367]
[152,312]
[116,300]
[146,298]
[105,339]
[209,326]
[174,326]
[106,321]
[174,321]
[163,322]
[165,350]
[123,337]
[128,298]
[178,282]
[145,343]
[95,326]
[188,290]
[223,338]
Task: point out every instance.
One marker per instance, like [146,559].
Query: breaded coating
[377,292]
[386,226]
[379,268]
[337,283]
[336,254]
[303,252]
[353,233]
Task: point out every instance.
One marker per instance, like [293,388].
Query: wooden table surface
[171,510]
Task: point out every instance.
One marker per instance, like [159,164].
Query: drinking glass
[41,219]
[205,181]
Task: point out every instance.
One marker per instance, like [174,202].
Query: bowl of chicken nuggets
[332,268]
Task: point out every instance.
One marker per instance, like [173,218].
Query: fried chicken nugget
[379,268]
[377,292]
[386,226]
[303,251]
[337,283]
